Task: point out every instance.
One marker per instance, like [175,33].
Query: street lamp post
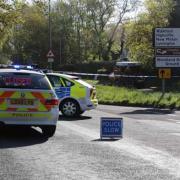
[50,59]
[50,37]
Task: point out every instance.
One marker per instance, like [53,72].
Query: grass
[133,97]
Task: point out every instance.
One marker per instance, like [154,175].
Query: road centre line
[175,120]
[176,134]
[160,159]
[172,119]
[172,115]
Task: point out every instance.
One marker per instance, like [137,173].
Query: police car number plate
[22,102]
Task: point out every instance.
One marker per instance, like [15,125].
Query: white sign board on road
[167,37]
[111,127]
[167,61]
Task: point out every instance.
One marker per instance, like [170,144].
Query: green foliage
[81,30]
[124,96]
[90,67]
[10,15]
[139,32]
[30,38]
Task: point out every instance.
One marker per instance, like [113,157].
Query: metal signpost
[164,73]
[111,128]
[167,51]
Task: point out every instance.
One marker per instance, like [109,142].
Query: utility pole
[50,54]
[50,36]
[60,51]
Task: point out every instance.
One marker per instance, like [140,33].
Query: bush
[91,67]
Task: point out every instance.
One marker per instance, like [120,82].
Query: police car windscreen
[24,81]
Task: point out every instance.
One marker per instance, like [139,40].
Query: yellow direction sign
[165,73]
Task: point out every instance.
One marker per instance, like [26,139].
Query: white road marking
[176,134]
[172,115]
[171,119]
[161,159]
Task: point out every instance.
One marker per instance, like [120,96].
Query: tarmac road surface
[149,149]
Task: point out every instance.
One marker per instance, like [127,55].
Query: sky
[133,14]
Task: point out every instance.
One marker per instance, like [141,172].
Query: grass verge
[133,97]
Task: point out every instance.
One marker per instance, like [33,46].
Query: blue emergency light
[22,66]
[29,67]
[16,66]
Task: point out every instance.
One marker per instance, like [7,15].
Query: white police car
[27,98]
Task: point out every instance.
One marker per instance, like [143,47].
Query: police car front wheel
[48,131]
[70,108]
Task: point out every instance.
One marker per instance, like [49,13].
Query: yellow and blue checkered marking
[63,92]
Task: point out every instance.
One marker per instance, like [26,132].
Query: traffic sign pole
[164,73]
[163,86]
[50,57]
[162,76]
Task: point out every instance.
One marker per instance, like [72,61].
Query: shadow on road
[80,118]
[106,140]
[12,137]
[153,111]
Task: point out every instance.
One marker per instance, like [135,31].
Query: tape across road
[103,75]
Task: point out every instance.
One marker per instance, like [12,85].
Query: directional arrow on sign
[165,73]
[160,51]
[162,73]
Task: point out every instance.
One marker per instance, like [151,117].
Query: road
[149,149]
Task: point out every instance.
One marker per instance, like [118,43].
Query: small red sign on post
[50,54]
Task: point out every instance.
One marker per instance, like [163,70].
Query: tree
[125,7]
[139,31]
[30,38]
[101,13]
[10,15]
[84,28]
[64,31]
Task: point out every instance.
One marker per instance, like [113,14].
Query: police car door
[59,86]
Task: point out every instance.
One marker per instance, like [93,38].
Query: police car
[76,96]
[27,98]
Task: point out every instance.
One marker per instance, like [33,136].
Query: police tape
[111,75]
